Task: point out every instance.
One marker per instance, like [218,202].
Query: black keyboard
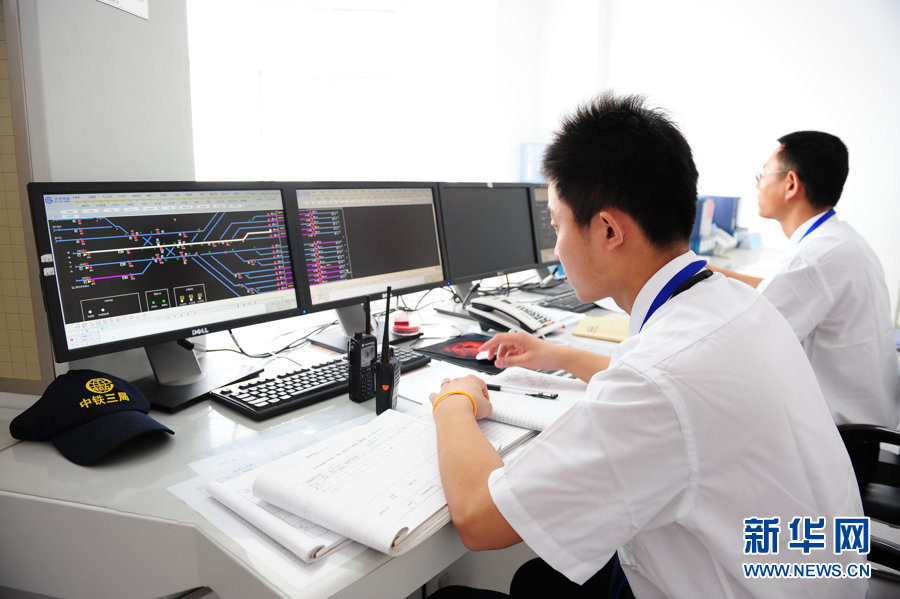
[567,301]
[266,396]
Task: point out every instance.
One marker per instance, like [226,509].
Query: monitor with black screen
[487,228]
[488,231]
[544,235]
[359,238]
[549,269]
[126,265]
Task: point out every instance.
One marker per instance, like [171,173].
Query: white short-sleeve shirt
[831,289]
[709,416]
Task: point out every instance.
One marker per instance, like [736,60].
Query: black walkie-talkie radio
[362,351]
[387,369]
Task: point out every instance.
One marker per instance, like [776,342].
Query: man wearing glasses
[830,287]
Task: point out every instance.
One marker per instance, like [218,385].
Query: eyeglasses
[763,172]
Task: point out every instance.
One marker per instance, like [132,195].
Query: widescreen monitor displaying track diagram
[488,229]
[357,239]
[129,265]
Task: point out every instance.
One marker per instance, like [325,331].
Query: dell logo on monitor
[200,331]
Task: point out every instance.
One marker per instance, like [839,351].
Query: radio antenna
[385,347]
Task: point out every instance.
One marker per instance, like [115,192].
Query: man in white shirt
[830,286]
[703,434]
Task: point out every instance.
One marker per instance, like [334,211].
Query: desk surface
[114,529]
[122,516]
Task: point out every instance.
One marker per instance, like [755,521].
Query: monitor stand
[463,291]
[352,320]
[550,285]
[556,287]
[181,379]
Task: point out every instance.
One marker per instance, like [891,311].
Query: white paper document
[281,540]
[378,484]
[303,538]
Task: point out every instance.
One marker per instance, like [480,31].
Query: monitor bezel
[468,278]
[300,266]
[50,288]
[536,225]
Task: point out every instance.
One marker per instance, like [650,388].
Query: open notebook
[510,408]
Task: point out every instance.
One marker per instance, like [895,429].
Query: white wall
[107,93]
[107,97]
[384,89]
[737,75]
[573,59]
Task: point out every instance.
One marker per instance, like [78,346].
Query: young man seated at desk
[707,415]
[830,287]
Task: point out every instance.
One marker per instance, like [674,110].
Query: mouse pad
[461,351]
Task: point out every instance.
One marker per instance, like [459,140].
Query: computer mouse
[483,355]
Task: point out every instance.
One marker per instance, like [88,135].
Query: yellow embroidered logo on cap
[99,385]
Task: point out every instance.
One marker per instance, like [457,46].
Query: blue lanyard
[666,292]
[816,224]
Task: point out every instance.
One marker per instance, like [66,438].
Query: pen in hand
[522,391]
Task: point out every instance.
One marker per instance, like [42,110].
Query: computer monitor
[488,229]
[549,270]
[126,265]
[544,235]
[357,239]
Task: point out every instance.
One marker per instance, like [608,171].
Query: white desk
[115,530]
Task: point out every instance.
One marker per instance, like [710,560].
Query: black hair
[821,162]
[614,152]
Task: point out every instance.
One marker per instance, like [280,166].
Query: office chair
[877,470]
[884,584]
[878,475]
[886,553]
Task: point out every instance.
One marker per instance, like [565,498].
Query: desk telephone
[503,315]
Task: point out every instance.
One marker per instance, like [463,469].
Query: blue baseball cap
[86,414]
